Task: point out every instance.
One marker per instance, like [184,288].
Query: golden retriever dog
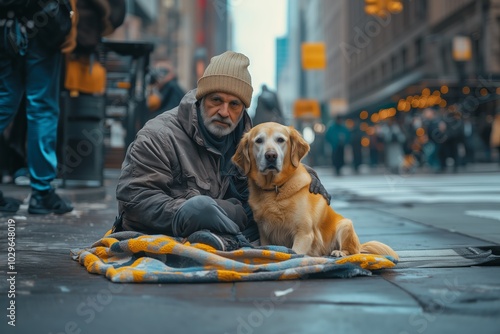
[286,212]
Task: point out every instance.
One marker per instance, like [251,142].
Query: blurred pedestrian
[495,134]
[338,136]
[468,142]
[485,127]
[355,140]
[435,137]
[178,179]
[84,73]
[412,147]
[165,88]
[30,63]
[376,146]
[453,129]
[394,139]
[268,108]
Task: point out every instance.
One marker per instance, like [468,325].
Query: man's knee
[202,213]
[195,214]
[199,207]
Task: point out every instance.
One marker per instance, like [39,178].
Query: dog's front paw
[338,253]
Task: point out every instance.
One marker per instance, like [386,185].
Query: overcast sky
[257,24]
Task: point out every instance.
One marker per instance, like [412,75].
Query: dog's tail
[375,247]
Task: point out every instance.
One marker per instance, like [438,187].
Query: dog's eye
[280,140]
[259,140]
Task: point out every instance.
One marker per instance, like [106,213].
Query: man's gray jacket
[168,163]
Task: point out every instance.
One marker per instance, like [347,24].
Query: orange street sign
[313,56]
[462,48]
[306,108]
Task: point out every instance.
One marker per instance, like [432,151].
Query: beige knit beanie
[227,73]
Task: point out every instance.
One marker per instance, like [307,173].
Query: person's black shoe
[43,203]
[224,242]
[8,204]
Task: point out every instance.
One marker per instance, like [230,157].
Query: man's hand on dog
[316,186]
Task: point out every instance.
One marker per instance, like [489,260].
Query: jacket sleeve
[143,188]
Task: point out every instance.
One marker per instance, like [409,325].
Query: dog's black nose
[271,156]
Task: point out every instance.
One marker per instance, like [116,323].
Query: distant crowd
[435,139]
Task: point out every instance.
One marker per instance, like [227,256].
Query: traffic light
[373,7]
[381,7]
[394,6]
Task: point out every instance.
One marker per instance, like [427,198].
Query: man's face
[221,113]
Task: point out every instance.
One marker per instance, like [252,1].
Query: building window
[394,65]
[422,9]
[477,55]
[404,60]
[445,58]
[419,56]
[407,14]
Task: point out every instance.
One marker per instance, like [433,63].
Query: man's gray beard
[214,129]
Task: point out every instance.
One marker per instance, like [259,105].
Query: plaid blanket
[127,257]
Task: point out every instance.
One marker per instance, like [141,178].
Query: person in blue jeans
[27,66]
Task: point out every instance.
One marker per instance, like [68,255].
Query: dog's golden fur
[286,212]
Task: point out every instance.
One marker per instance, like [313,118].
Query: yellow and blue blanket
[131,257]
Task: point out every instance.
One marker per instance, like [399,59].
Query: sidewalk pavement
[54,294]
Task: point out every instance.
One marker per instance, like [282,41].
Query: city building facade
[441,54]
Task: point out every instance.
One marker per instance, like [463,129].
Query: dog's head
[270,149]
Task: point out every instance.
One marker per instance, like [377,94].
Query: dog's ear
[299,147]
[242,156]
